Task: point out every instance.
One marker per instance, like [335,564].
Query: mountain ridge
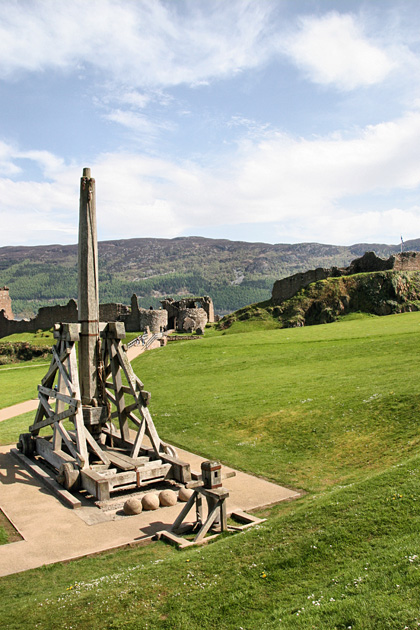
[233,273]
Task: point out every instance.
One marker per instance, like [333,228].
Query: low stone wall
[286,288]
[112,312]
[136,318]
[46,317]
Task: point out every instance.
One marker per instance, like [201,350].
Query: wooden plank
[52,393]
[44,402]
[209,522]
[51,419]
[139,477]
[184,513]
[128,370]
[181,471]
[95,447]
[78,418]
[139,439]
[135,420]
[95,484]
[40,413]
[56,458]
[59,408]
[68,441]
[50,375]
[119,393]
[151,430]
[64,495]
[60,364]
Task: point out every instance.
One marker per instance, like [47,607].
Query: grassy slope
[332,409]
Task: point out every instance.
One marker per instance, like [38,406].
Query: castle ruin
[286,288]
[183,315]
[6,302]
[189,314]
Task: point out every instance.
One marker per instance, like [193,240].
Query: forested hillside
[233,273]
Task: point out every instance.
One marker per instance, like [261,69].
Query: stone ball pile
[185,494]
[150,501]
[132,506]
[168,498]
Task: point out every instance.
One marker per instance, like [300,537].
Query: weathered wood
[208,523]
[119,394]
[184,513]
[52,393]
[60,360]
[139,439]
[47,407]
[123,460]
[127,369]
[95,447]
[51,484]
[52,419]
[56,360]
[78,418]
[54,457]
[59,404]
[95,484]
[68,442]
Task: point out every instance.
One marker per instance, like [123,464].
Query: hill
[234,273]
[325,301]
[332,410]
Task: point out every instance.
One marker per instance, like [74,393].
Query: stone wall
[192,319]
[407,261]
[136,319]
[286,288]
[112,312]
[6,302]
[187,310]
[141,318]
[45,319]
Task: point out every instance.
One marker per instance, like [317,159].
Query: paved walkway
[31,405]
[17,410]
[52,532]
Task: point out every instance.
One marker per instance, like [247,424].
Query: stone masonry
[6,302]
[140,318]
[185,315]
[286,288]
[189,314]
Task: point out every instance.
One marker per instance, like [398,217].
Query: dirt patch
[12,535]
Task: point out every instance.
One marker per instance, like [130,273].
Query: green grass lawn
[330,409]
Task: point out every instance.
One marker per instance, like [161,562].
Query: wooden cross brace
[216,501]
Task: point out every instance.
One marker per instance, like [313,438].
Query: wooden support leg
[187,507]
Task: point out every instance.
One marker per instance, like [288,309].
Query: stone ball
[150,501]
[132,506]
[184,494]
[167,498]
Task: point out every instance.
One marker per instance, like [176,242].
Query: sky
[280,121]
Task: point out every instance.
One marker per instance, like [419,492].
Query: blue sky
[259,120]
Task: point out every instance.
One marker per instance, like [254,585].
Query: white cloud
[302,184]
[137,123]
[333,49]
[142,43]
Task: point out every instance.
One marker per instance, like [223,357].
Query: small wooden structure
[209,488]
[101,397]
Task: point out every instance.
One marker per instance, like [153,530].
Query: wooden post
[88,301]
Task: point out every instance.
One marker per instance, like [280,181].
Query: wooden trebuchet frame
[102,454]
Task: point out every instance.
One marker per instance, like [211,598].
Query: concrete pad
[54,533]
